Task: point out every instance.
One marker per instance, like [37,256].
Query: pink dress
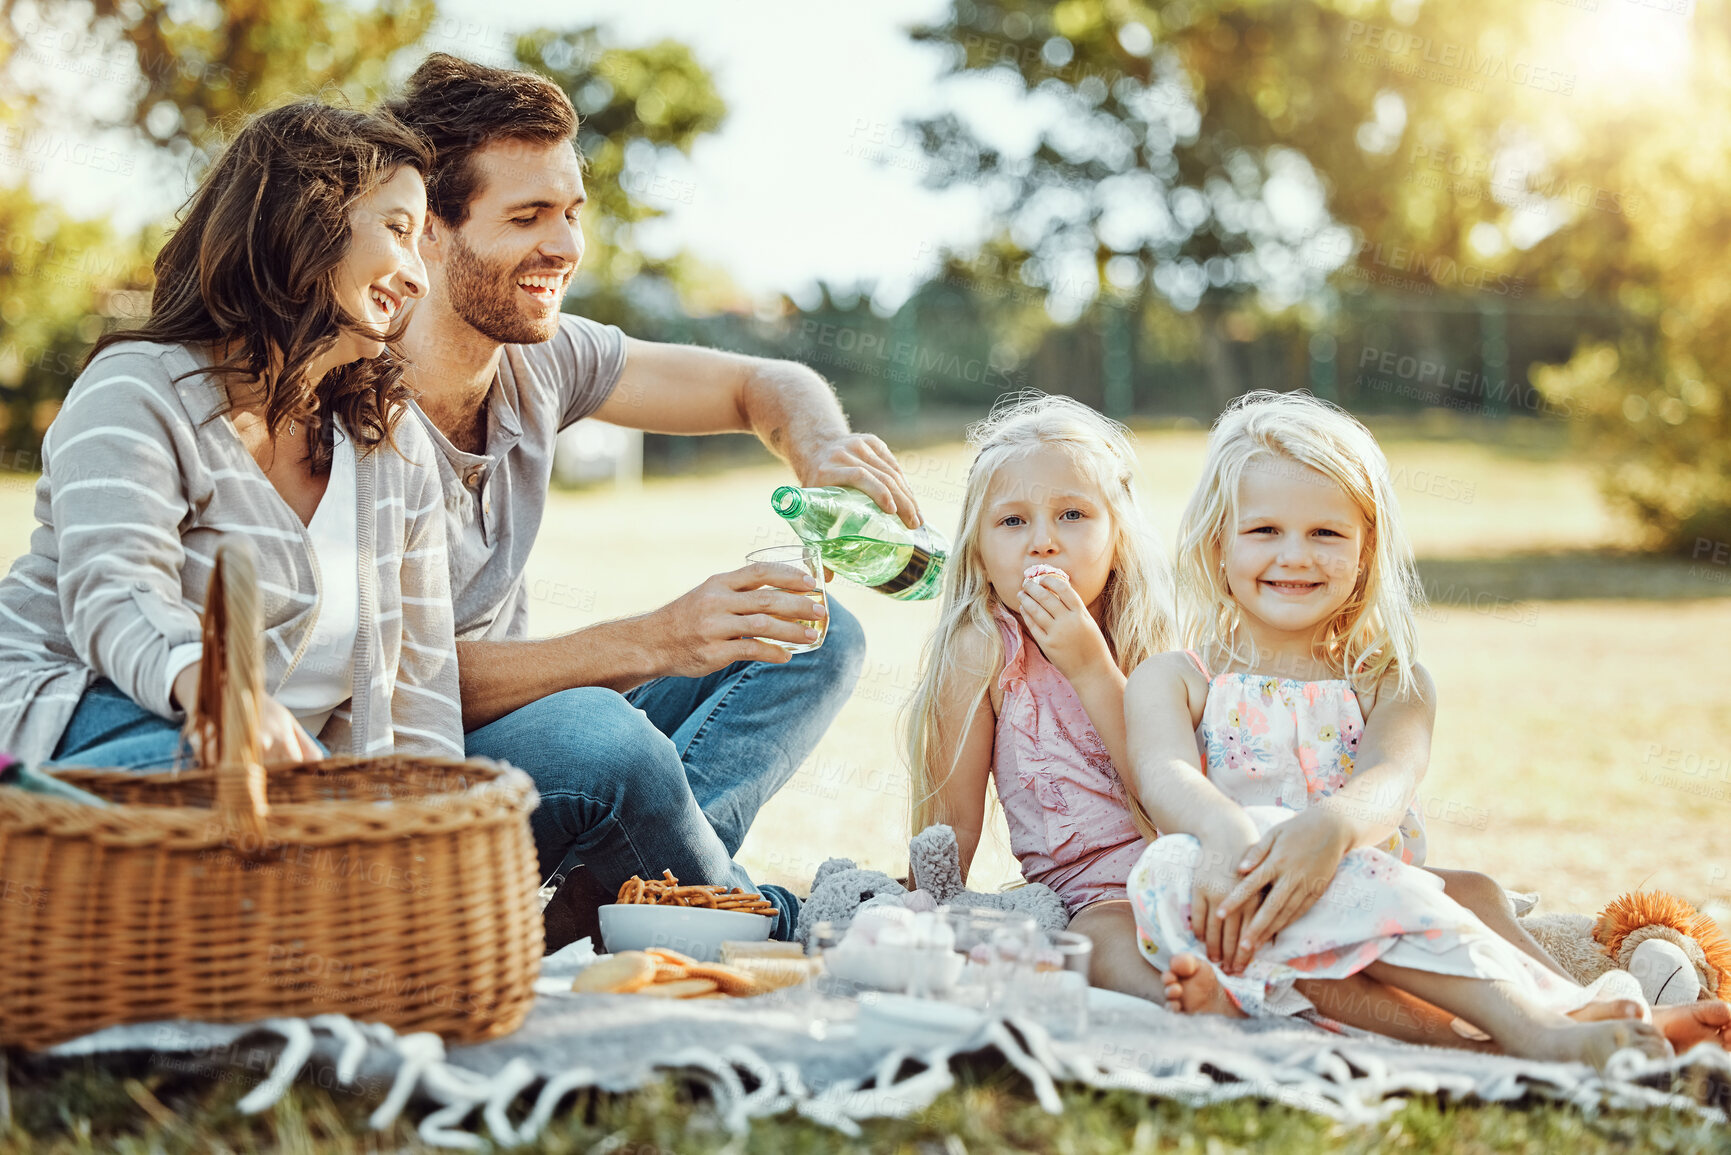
[1065,805]
[1275,745]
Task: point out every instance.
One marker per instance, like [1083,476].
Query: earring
[291,427]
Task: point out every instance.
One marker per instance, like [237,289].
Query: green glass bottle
[863,543]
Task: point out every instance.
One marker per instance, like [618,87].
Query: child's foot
[1598,1012]
[1591,1043]
[1192,988]
[1686,1024]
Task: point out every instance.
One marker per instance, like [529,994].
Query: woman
[260,399]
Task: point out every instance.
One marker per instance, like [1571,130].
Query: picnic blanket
[804,1052]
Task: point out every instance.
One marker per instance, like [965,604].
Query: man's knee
[587,739]
[1475,891]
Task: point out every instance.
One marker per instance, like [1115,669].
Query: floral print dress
[1275,745]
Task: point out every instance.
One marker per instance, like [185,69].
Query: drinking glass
[1046,979]
[826,1000]
[976,928]
[826,934]
[808,557]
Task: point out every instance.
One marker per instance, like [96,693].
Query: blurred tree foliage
[1219,160]
[196,68]
[202,64]
[641,109]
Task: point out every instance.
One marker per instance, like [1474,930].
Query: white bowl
[690,930]
[891,968]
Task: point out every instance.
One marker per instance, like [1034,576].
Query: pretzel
[668,891]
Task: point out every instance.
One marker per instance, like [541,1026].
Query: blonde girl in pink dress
[1055,592]
[1281,755]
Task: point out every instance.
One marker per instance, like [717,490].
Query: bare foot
[1592,1043]
[1598,1012]
[1192,988]
[1686,1024]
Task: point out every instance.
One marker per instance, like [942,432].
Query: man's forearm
[791,408]
[500,677]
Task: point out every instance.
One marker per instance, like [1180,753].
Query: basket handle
[224,730]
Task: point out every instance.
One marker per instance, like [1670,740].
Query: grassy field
[989,1112]
[1583,748]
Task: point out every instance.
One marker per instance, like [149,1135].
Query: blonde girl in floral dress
[1281,755]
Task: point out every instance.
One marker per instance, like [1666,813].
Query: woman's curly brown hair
[252,269]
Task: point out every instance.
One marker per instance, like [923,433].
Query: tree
[193,70]
[1493,152]
[639,106]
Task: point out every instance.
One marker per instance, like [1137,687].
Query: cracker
[772,974]
[733,951]
[683,989]
[618,974]
[731,980]
[662,954]
[671,972]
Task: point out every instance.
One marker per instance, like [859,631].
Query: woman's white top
[325,676]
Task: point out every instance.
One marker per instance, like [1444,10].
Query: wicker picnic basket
[399,890]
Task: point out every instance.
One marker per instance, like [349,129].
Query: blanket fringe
[1350,1085]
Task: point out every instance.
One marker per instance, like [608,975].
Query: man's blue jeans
[671,775]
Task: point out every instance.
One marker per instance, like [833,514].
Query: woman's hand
[1295,862]
[1219,929]
[1060,622]
[281,736]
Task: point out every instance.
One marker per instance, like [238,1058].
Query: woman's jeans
[671,775]
[111,730]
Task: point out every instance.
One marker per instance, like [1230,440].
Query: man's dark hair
[462,107]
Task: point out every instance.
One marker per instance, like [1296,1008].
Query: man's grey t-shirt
[494,501]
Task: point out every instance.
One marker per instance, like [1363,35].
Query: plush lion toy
[1677,954]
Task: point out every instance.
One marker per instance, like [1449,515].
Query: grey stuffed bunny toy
[841,888]
[936,865]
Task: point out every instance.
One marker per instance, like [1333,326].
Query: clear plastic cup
[809,558]
[977,929]
[1046,980]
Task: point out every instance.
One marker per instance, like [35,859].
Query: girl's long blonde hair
[1137,616]
[1374,633]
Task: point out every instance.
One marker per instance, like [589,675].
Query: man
[653,740]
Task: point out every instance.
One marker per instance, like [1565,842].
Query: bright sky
[780,196]
[810,177]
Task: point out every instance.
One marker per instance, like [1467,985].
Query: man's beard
[484,295]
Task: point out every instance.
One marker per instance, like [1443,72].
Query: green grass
[1570,673]
[85,1110]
